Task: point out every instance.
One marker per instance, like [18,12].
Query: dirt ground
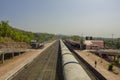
[14,45]
[11,66]
[102,65]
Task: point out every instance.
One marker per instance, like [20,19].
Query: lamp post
[81,41]
[112,38]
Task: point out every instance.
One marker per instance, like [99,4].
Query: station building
[94,44]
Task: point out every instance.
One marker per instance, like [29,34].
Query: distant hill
[8,33]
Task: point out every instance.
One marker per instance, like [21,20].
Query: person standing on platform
[95,64]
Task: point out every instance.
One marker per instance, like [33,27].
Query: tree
[75,38]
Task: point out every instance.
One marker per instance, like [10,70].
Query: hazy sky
[70,17]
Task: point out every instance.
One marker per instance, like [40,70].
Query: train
[72,70]
[36,45]
[76,45]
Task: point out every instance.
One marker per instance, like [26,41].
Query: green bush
[110,67]
[4,39]
[116,61]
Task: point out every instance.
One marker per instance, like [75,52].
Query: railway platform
[12,66]
[101,66]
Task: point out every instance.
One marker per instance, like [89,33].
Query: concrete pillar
[19,52]
[3,57]
[13,55]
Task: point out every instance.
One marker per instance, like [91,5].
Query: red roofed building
[94,44]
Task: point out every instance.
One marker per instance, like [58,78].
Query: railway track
[43,67]
[48,66]
[93,74]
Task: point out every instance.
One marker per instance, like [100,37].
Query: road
[43,67]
